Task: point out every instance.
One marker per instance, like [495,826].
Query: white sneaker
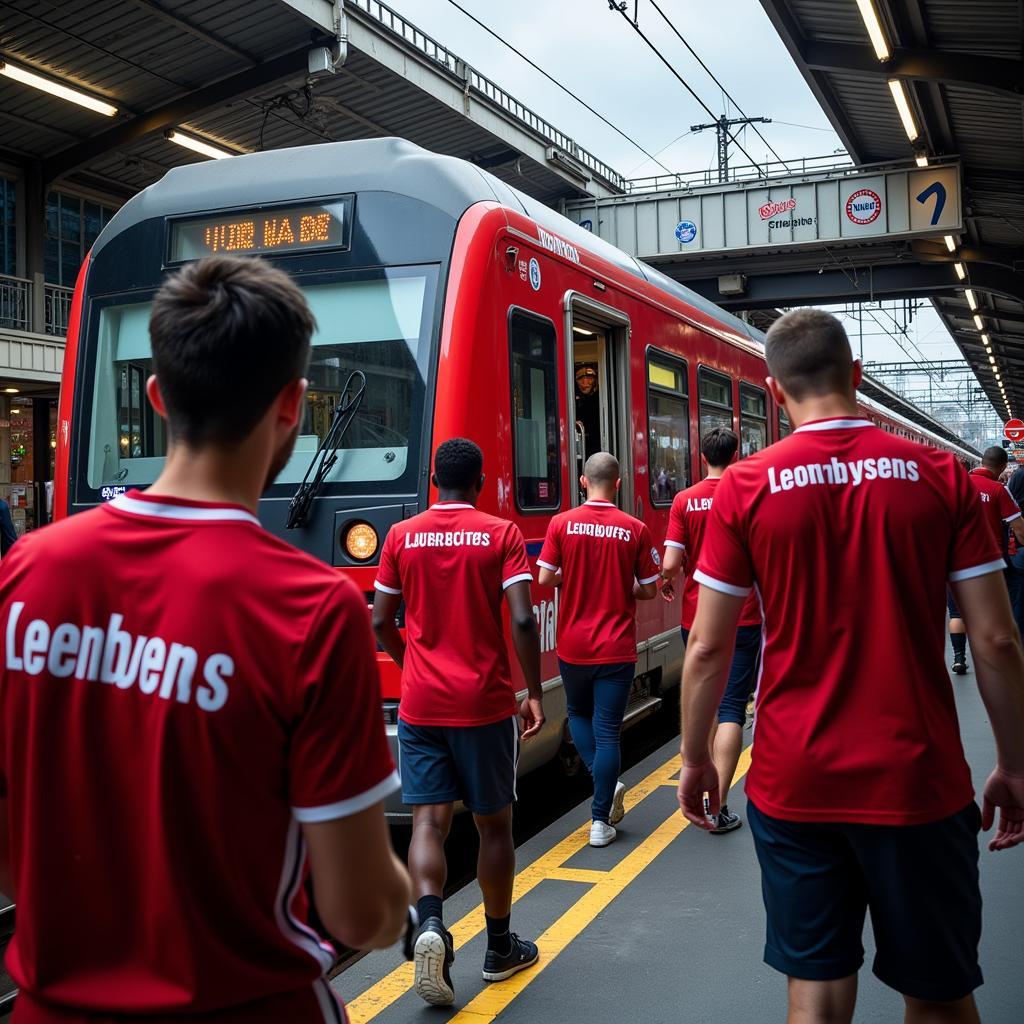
[618,804]
[601,834]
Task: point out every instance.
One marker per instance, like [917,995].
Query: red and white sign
[1013,430]
[770,210]
[864,206]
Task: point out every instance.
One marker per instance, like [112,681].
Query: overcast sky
[595,53]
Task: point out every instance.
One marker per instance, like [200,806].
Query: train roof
[447,183]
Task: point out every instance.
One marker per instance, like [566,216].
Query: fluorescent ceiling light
[992,359]
[899,96]
[583,331]
[950,243]
[874,27]
[197,145]
[11,391]
[978,322]
[961,271]
[921,159]
[56,89]
[971,300]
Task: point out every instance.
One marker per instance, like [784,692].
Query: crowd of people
[190,723]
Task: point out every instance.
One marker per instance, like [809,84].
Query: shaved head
[602,469]
[995,459]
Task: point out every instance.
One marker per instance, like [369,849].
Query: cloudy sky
[595,53]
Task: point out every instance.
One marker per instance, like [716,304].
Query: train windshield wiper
[327,454]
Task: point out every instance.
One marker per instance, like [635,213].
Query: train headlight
[361,542]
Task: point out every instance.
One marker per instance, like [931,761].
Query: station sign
[1013,430]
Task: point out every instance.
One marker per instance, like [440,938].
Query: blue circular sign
[535,275]
[686,231]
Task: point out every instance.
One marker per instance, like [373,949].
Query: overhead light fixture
[992,359]
[64,92]
[978,322]
[583,331]
[921,159]
[971,300]
[950,243]
[961,270]
[874,27]
[12,391]
[899,96]
[197,145]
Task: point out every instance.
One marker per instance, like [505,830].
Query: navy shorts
[919,881]
[742,680]
[954,611]
[476,764]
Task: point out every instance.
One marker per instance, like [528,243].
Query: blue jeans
[742,674]
[1015,581]
[596,697]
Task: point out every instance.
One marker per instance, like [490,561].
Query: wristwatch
[412,924]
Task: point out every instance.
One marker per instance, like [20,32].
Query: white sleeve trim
[1010,519]
[385,590]
[353,805]
[521,578]
[650,579]
[977,570]
[675,544]
[720,585]
[548,565]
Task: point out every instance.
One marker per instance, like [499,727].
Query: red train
[472,310]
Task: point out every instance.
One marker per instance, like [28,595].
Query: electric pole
[722,126]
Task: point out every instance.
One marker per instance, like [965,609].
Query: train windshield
[379,323]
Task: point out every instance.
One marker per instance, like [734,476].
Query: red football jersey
[180,690]
[452,565]
[600,552]
[1000,508]
[851,535]
[686,522]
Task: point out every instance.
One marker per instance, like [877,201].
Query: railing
[56,309]
[17,306]
[456,66]
[742,172]
[15,303]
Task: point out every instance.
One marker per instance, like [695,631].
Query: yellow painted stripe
[394,985]
[577,875]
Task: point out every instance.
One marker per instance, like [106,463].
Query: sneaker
[959,666]
[522,954]
[726,822]
[618,804]
[601,834]
[433,955]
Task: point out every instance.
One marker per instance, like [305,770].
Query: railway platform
[666,925]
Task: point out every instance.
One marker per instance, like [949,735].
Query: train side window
[533,354]
[715,392]
[785,427]
[668,426]
[753,419]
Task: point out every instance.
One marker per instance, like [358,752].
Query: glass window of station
[72,225]
[668,427]
[8,228]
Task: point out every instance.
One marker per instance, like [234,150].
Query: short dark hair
[995,456]
[602,468]
[718,446]
[458,463]
[228,334]
[808,353]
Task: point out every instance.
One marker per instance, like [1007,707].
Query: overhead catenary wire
[621,9]
[554,81]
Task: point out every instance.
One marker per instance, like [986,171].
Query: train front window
[379,325]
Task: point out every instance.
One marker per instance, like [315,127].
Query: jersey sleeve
[338,763]
[724,562]
[551,552]
[648,563]
[515,566]
[974,550]
[1008,508]
[676,536]
[388,579]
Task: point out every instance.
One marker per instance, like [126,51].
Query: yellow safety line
[606,886]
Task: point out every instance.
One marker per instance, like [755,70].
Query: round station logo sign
[1013,430]
[864,206]
[686,231]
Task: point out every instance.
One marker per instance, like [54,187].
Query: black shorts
[920,882]
[951,607]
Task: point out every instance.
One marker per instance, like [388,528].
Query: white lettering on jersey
[114,656]
[546,614]
[842,473]
[698,504]
[599,530]
[985,497]
[448,539]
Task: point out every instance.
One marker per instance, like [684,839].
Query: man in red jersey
[189,708]
[458,728]
[603,560]
[859,794]
[687,520]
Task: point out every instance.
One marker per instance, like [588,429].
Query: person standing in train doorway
[687,520]
[859,793]
[603,560]
[458,720]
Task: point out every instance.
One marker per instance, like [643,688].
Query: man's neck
[595,495]
[217,476]
[715,472]
[822,407]
[457,497]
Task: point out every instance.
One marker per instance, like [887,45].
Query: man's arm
[999,666]
[385,608]
[548,577]
[362,890]
[645,591]
[526,641]
[705,670]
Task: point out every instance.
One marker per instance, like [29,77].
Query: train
[470,309]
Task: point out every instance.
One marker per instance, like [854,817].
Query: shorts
[951,606]
[742,674]
[476,764]
[920,882]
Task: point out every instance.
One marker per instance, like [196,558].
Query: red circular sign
[864,206]
[1014,430]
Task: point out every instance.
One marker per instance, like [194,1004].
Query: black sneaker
[726,822]
[433,955]
[523,954]
[959,666]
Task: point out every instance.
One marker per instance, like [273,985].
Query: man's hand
[694,782]
[668,591]
[531,714]
[1005,792]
